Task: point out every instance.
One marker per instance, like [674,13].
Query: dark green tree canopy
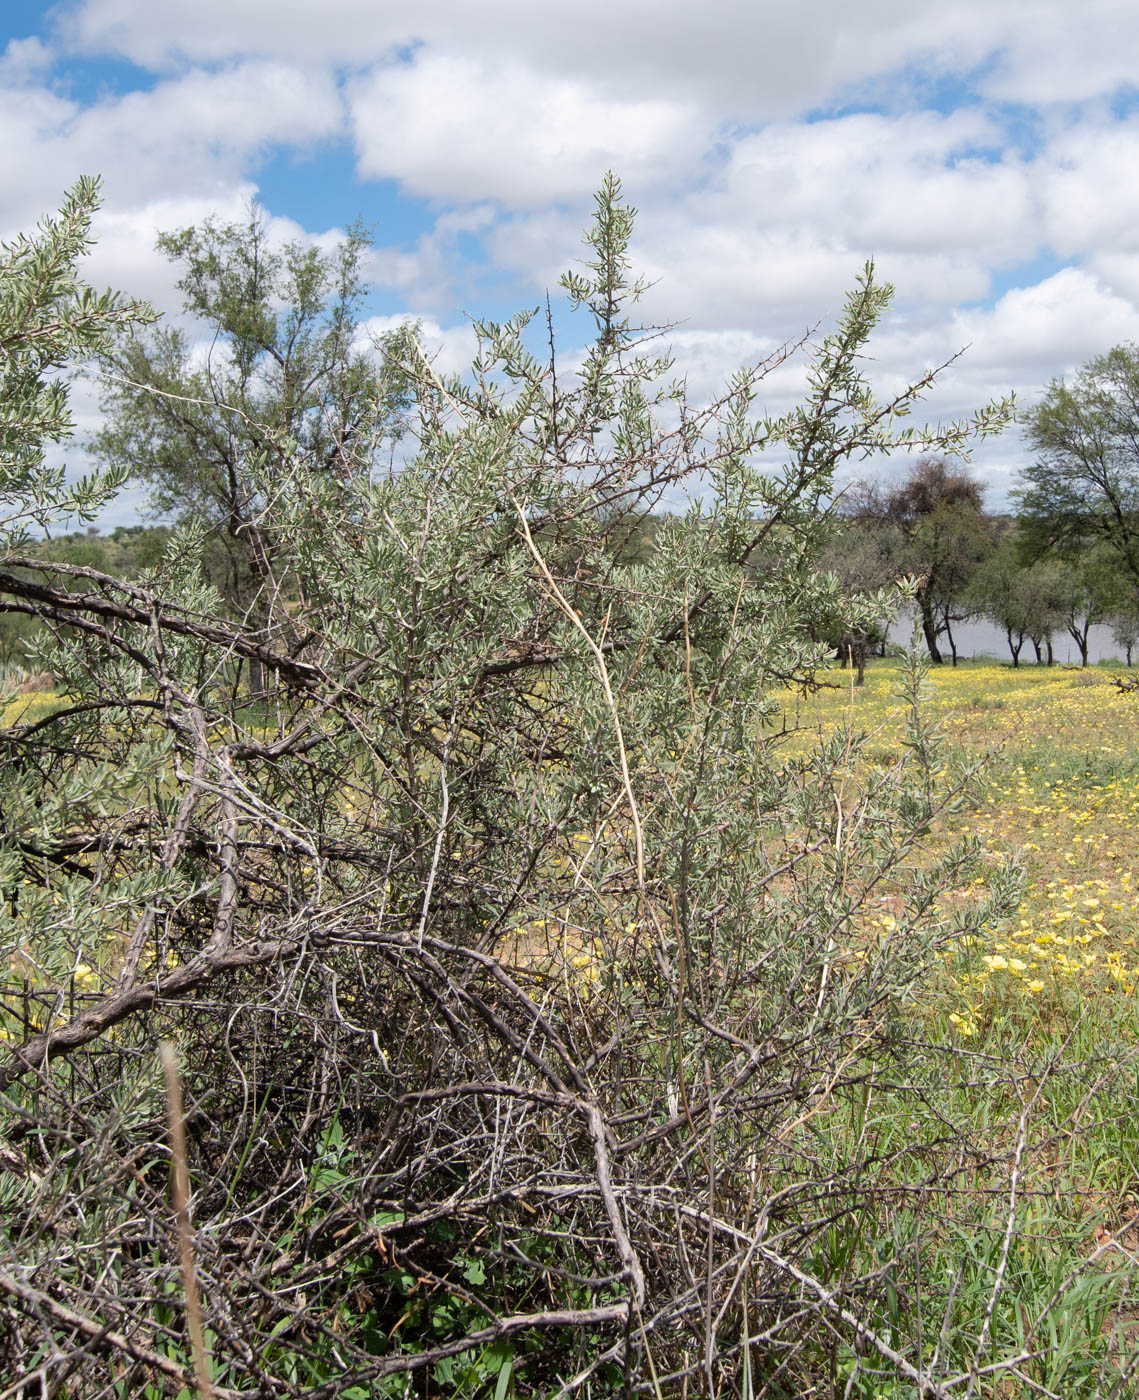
[1084,481]
[933,524]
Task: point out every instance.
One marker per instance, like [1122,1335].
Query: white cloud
[1090,186]
[755,220]
[766,53]
[190,135]
[450,348]
[1049,53]
[1050,327]
[915,182]
[454,127]
[24,61]
[1119,274]
[760,59]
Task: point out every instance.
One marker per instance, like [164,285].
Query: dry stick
[839,843]
[625,1249]
[88,1025]
[1006,1242]
[709,1324]
[439,835]
[407,1361]
[603,671]
[100,1337]
[180,1187]
[225,915]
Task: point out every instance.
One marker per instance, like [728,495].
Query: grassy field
[1058,793]
[1050,995]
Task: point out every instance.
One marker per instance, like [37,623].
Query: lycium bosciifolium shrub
[529,1028]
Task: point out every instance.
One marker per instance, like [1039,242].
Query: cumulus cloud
[450,348]
[761,60]
[24,61]
[1060,322]
[125,256]
[1089,177]
[192,135]
[455,127]
[771,148]
[917,182]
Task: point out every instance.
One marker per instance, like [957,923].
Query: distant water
[978,639]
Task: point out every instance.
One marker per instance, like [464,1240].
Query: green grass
[1042,1014]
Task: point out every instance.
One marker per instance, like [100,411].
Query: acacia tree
[863,555]
[1027,601]
[1084,482]
[527,1009]
[997,591]
[1087,588]
[1123,617]
[272,370]
[940,533]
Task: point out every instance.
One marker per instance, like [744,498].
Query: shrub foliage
[534,1034]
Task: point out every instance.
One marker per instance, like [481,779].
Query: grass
[1042,1009]
[28,706]
[1059,794]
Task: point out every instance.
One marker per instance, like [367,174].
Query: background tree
[941,533]
[128,552]
[1042,586]
[1083,485]
[863,557]
[1026,601]
[1088,587]
[1123,618]
[273,369]
[996,591]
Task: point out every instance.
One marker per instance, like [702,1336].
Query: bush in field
[535,1031]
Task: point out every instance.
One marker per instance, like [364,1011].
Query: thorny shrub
[529,1043]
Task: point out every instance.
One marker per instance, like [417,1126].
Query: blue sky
[984,152]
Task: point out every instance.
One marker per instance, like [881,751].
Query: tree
[1043,589]
[1125,633]
[1084,482]
[996,591]
[1025,600]
[863,557]
[1123,617]
[941,534]
[276,373]
[522,982]
[1088,588]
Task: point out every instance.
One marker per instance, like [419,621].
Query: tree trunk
[952,643]
[1080,637]
[929,628]
[1015,647]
